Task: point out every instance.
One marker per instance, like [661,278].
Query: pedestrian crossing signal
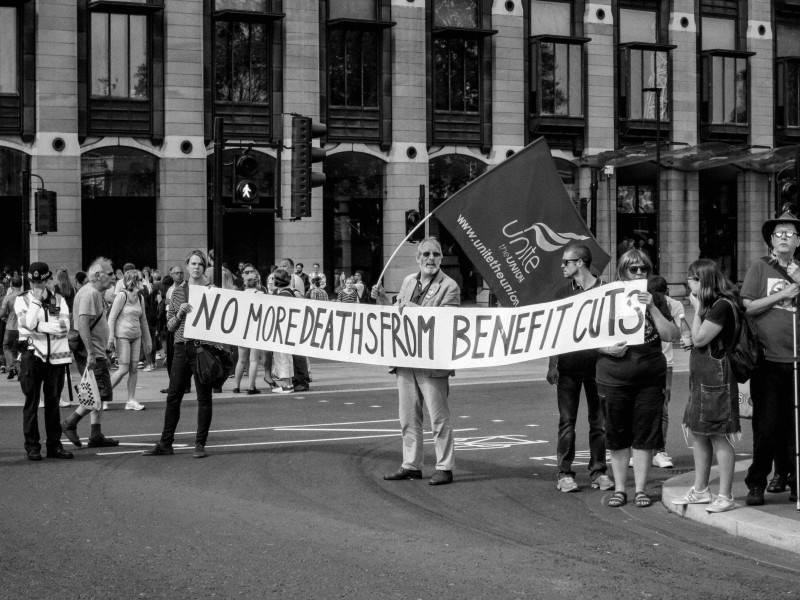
[246,187]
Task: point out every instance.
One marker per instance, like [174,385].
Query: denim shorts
[633,416]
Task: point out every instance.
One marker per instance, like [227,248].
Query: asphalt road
[291,504]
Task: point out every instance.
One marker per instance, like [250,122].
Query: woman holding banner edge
[630,382]
[428,287]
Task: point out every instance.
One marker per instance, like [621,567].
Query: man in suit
[428,287]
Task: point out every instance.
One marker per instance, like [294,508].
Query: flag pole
[405,239]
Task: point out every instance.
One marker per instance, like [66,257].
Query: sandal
[642,500]
[618,499]
[270,382]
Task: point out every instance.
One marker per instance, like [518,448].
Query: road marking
[494,442]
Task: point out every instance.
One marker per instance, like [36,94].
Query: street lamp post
[657,190]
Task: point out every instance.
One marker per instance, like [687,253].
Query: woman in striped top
[184,365]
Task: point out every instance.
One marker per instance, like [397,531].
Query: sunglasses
[569,260]
[634,269]
[434,254]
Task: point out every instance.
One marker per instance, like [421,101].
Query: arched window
[353,215]
[11,242]
[118,171]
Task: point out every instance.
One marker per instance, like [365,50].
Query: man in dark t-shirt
[569,372]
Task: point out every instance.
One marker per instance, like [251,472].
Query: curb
[743,521]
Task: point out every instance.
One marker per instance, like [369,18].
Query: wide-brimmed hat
[39,272]
[769,226]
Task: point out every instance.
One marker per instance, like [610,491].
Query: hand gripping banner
[429,338]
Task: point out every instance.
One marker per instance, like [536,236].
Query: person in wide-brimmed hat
[769,294]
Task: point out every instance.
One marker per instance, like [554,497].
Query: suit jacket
[443,291]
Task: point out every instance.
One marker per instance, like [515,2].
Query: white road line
[283,442]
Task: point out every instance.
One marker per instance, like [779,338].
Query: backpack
[745,351]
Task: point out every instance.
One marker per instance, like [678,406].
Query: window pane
[245,5]
[741,90]
[336,67]
[635,91]
[717,91]
[8,50]
[353,62]
[240,62]
[100,83]
[258,63]
[575,81]
[662,81]
[441,73]
[471,79]
[637,26]
[730,90]
[718,34]
[548,71]
[118,69]
[455,13]
[646,199]
[551,18]
[352,9]
[138,62]
[561,89]
[787,40]
[456,81]
[626,196]
[791,95]
[222,65]
[369,70]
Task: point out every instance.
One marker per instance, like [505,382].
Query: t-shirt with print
[642,364]
[774,325]
[90,302]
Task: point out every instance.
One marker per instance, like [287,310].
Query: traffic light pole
[26,220]
[219,148]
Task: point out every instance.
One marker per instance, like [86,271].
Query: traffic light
[245,184]
[46,211]
[303,156]
[412,220]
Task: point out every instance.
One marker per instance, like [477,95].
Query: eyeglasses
[434,254]
[634,269]
[786,233]
[569,260]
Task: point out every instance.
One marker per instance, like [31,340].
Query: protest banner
[429,338]
[514,221]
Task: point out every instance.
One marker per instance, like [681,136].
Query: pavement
[776,523]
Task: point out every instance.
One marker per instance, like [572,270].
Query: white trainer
[567,484]
[662,460]
[721,504]
[694,497]
[602,481]
[134,405]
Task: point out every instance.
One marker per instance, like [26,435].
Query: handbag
[88,392]
[213,365]
[75,340]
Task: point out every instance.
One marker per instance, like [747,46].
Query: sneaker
[662,461]
[2,368]
[755,497]
[11,374]
[567,484]
[134,405]
[158,450]
[199,451]
[602,481]
[140,364]
[159,356]
[694,497]
[63,403]
[630,462]
[721,504]
[105,405]
[777,484]
[283,389]
[149,368]
[102,441]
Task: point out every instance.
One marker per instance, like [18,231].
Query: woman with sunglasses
[427,287]
[712,414]
[630,382]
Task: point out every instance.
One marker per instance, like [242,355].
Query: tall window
[460,80]
[119,55]
[9,50]
[358,59]
[787,53]
[724,94]
[241,62]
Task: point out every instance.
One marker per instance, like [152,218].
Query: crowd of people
[628,387]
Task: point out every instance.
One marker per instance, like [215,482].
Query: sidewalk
[776,524]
